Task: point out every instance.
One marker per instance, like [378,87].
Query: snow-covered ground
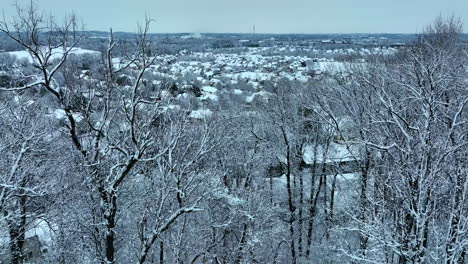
[57,53]
[39,228]
[201,114]
[336,152]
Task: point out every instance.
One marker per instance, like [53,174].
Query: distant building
[38,240]
[33,251]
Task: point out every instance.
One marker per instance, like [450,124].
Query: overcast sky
[268,16]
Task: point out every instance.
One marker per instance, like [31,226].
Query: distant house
[335,159]
[36,245]
[33,251]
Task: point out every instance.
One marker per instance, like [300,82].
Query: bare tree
[113,128]
[25,181]
[412,111]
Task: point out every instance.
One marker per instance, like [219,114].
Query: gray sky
[269,16]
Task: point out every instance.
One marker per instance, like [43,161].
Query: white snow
[209,89]
[209,97]
[41,229]
[330,66]
[192,36]
[237,91]
[61,115]
[261,94]
[201,114]
[336,152]
[56,53]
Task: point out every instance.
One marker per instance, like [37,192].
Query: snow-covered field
[55,54]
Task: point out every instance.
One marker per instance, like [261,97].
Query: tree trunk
[16,246]
[109,211]
[331,207]
[242,243]
[161,252]
[364,204]
[300,216]
[312,210]
[290,197]
[16,222]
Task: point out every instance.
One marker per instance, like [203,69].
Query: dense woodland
[367,166]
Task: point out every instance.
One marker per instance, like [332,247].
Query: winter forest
[151,148]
